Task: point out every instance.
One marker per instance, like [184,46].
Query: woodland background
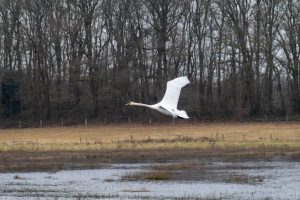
[76,59]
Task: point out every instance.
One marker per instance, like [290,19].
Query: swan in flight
[168,105]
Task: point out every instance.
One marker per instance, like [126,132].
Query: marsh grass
[245,179]
[17,177]
[162,172]
[136,190]
[152,175]
[36,166]
[173,166]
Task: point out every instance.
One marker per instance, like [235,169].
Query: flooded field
[191,179]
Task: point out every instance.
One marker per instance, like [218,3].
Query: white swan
[168,105]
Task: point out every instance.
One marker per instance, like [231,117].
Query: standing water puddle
[215,180]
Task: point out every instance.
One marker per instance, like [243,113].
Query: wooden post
[243,136]
[286,117]
[41,123]
[271,137]
[150,120]
[20,125]
[85,123]
[211,136]
[62,122]
[223,137]
[131,138]
[105,120]
[129,120]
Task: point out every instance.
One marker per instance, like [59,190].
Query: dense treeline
[87,58]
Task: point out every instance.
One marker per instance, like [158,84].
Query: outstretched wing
[172,94]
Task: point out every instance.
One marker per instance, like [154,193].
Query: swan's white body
[168,105]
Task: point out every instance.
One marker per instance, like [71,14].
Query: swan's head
[129,103]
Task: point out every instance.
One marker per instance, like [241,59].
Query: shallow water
[278,180]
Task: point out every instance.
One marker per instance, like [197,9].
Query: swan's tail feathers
[182,114]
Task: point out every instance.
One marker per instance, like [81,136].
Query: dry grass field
[55,148]
[156,136]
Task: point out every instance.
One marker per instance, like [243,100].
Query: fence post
[85,122]
[150,120]
[62,122]
[41,123]
[20,125]
[129,120]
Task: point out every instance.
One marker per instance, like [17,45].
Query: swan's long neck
[140,104]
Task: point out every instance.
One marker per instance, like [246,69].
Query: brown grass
[202,135]
[173,166]
[136,190]
[17,177]
[152,175]
[160,172]
[55,148]
[245,179]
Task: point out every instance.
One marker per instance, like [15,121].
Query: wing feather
[173,90]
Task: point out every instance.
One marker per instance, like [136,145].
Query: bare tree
[75,58]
